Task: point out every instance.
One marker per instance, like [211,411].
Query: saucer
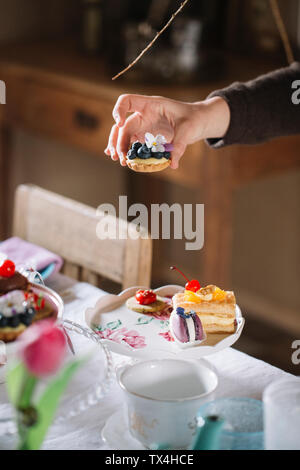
[116,434]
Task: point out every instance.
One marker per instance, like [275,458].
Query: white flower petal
[158,148]
[149,139]
[160,139]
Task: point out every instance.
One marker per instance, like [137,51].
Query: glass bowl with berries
[23,302]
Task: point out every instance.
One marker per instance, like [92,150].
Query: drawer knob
[86,120]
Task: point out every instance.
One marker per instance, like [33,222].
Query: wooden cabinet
[77,120]
[53,91]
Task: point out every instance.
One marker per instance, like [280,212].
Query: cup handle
[119,369]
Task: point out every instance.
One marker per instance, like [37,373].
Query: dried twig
[282,31]
[153,40]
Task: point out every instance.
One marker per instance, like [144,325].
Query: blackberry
[26,319]
[3,321]
[30,311]
[145,149]
[136,145]
[131,154]
[167,155]
[142,153]
[14,321]
[158,155]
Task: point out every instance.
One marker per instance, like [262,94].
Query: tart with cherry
[146,301]
[20,304]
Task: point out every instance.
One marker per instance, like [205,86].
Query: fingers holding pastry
[112,143]
[126,135]
[129,103]
[177,152]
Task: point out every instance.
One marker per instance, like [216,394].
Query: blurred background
[57,59]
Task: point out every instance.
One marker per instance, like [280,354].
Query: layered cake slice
[215,308]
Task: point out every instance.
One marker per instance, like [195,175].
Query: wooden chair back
[69,228]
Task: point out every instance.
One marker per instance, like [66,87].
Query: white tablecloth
[239,375]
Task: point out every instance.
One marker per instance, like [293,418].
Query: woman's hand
[181,123]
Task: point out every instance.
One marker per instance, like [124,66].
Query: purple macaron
[182,328]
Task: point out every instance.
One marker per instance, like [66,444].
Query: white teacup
[163,397]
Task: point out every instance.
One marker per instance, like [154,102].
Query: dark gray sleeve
[262,108]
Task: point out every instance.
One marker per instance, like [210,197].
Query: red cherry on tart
[192,285]
[7,269]
[37,300]
[146,302]
[145,297]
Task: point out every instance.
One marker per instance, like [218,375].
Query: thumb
[179,149]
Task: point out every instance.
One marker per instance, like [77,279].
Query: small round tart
[153,155]
[19,309]
[155,307]
[9,333]
[148,165]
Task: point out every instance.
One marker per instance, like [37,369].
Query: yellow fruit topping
[190,296]
[219,294]
[207,294]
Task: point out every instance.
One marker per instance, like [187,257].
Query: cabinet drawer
[15,92]
[84,122]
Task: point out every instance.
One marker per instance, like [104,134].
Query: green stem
[27,389]
[24,402]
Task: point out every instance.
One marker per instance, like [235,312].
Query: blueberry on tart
[153,155]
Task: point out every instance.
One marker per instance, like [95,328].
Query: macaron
[186,328]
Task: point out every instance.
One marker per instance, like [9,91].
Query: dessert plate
[147,336]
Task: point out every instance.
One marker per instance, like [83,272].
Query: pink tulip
[43,347]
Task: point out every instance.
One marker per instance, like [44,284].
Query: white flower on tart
[156,144]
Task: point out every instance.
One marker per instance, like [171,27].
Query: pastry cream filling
[213,319]
[152,161]
[222,311]
[219,329]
